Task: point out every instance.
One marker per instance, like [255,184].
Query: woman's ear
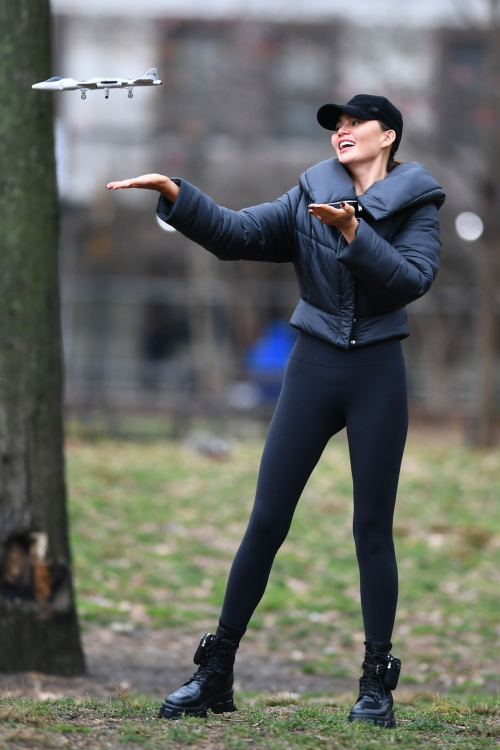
[388,139]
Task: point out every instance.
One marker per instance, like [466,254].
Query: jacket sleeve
[263,232]
[401,272]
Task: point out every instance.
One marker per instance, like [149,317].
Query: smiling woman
[347,143]
[343,142]
[364,131]
[363,235]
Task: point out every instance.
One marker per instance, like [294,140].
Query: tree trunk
[38,623]
[488,255]
[487,343]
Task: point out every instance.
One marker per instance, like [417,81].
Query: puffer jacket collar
[406,185]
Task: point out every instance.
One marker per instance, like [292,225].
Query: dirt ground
[156,662]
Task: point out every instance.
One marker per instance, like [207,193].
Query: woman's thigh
[307,414]
[377,425]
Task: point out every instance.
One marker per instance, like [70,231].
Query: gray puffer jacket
[351,294]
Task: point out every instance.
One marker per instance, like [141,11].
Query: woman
[362,232]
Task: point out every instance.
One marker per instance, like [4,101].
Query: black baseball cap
[366,107]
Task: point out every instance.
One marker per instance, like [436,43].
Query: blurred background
[154,326]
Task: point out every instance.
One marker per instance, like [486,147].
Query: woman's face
[370,141]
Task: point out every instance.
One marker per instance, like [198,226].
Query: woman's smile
[346,143]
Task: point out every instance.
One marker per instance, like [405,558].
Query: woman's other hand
[158,182]
[343,218]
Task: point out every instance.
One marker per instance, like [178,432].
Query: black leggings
[325,389]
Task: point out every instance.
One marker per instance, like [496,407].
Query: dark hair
[391,162]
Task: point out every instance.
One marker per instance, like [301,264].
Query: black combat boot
[212,684]
[380,675]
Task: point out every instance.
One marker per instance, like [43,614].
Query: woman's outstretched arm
[263,232]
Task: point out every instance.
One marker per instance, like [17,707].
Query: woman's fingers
[331,215]
[119,184]
[134,182]
[345,208]
[325,212]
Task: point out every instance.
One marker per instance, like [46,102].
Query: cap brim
[328,114]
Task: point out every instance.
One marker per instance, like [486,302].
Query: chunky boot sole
[219,704]
[388,723]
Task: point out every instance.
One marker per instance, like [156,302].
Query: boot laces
[211,663]
[371,681]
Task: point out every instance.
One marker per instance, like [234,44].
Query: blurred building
[152,321]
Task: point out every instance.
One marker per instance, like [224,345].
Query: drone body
[150,78]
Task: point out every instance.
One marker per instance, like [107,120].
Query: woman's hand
[342,218]
[159,182]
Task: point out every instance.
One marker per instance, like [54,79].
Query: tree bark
[38,623]
[488,255]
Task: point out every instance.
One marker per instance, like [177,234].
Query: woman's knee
[267,529]
[372,536]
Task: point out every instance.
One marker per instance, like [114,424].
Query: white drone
[69,84]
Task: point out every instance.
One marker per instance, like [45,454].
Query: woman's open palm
[146,181]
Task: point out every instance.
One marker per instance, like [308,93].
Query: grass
[272,722]
[155,527]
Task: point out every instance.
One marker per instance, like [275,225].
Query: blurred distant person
[266,359]
[362,231]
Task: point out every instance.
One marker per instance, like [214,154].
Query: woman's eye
[353,122]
